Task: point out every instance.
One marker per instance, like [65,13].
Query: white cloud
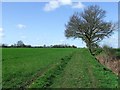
[54,4]
[1,29]
[21,26]
[65,2]
[78,5]
[51,5]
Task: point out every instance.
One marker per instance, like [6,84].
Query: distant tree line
[63,46]
[20,44]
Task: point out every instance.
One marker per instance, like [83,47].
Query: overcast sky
[39,23]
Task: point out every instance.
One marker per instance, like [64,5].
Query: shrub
[117,53]
[98,51]
[110,52]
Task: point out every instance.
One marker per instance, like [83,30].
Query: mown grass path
[83,71]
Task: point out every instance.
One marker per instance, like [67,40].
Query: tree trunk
[90,49]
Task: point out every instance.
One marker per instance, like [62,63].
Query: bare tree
[20,44]
[90,26]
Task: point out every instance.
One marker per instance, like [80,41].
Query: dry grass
[114,64]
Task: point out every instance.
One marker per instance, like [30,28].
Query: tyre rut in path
[52,68]
[38,74]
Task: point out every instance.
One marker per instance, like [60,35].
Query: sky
[39,23]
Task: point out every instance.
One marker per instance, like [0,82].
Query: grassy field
[20,65]
[54,68]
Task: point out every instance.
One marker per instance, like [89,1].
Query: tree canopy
[90,26]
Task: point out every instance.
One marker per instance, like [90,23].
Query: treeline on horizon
[20,44]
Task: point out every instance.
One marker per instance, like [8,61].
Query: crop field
[54,68]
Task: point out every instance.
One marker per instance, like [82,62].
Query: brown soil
[113,65]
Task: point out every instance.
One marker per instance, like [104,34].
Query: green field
[54,68]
